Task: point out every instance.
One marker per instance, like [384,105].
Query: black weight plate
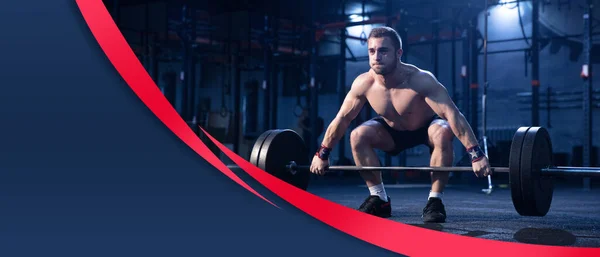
[536,154]
[279,149]
[514,175]
[257,147]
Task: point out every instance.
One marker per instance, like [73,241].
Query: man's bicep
[438,98]
[354,100]
[353,103]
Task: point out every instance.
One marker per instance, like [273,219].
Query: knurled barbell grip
[550,171]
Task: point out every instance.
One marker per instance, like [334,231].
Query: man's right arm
[353,103]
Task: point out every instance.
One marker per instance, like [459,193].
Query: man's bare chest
[395,101]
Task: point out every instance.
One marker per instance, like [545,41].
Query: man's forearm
[462,129]
[334,132]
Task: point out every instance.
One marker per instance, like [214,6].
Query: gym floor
[573,219]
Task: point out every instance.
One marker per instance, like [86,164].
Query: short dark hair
[380,32]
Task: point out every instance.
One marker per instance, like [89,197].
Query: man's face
[382,56]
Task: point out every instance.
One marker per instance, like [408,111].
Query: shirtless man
[414,109]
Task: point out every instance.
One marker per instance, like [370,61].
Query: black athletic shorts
[408,138]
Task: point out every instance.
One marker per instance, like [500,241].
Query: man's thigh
[393,141]
[376,134]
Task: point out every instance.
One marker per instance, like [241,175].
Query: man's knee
[373,135]
[442,136]
[359,136]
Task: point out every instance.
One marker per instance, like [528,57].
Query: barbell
[283,153]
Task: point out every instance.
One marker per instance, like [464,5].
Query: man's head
[385,49]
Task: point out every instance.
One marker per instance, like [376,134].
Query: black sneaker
[434,211]
[375,206]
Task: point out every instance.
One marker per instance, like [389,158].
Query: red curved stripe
[127,64]
[394,236]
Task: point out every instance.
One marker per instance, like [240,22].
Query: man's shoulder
[417,73]
[363,81]
[422,77]
[424,81]
[365,78]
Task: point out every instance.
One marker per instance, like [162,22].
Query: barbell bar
[550,171]
[293,168]
[283,153]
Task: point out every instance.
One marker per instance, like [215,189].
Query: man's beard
[386,69]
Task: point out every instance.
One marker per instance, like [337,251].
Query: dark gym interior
[238,68]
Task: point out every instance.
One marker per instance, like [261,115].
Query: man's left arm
[437,98]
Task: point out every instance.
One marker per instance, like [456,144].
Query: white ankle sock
[435,194]
[379,190]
